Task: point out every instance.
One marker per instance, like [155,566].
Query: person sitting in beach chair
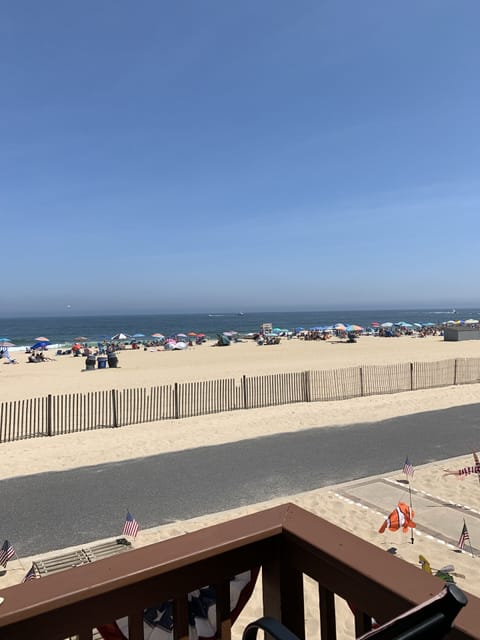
[6,355]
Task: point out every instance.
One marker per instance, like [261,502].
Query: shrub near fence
[69,413]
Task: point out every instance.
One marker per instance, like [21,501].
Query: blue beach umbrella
[138,335]
[40,345]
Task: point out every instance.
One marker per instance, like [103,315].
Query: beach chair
[431,620]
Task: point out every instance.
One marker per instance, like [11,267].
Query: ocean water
[61,330]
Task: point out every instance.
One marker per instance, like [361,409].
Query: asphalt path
[55,510]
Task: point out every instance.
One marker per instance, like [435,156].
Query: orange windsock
[401,517]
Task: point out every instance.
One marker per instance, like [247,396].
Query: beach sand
[441,502]
[141,368]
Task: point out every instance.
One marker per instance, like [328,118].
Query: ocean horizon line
[220,312]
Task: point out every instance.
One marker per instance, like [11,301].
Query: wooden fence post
[114,409]
[361,381]
[49,415]
[411,376]
[306,383]
[455,372]
[175,400]
[244,385]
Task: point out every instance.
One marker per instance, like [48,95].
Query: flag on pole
[408,469]
[31,574]
[476,459]
[7,552]
[130,528]
[462,473]
[464,536]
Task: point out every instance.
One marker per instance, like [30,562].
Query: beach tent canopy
[471,321]
[120,336]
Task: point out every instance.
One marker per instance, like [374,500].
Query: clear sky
[168,156]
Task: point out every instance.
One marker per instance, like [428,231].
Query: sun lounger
[82,556]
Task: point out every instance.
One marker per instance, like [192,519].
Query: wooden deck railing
[287,542]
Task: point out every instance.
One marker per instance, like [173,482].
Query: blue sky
[187,156]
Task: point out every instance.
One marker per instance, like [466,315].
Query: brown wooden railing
[69,413]
[286,542]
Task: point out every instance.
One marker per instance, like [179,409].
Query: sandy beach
[345,505]
[139,368]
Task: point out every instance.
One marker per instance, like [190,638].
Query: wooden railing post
[114,409]
[283,596]
[361,381]
[411,376]
[328,625]
[49,415]
[244,386]
[455,372]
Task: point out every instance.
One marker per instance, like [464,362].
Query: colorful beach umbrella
[42,339]
[157,335]
[354,327]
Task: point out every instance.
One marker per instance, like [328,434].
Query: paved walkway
[434,516]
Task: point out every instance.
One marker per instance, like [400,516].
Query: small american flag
[408,469]
[31,574]
[7,552]
[130,528]
[464,536]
